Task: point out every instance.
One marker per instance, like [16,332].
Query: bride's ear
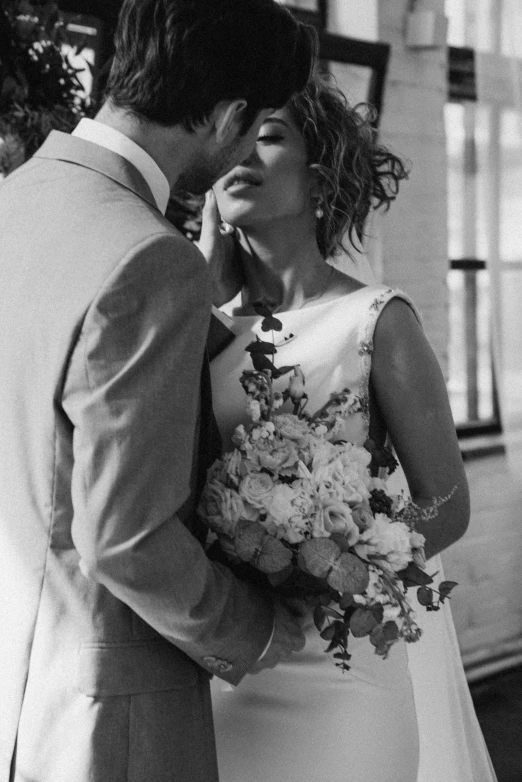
[228,119]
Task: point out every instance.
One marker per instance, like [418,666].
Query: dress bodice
[331,341]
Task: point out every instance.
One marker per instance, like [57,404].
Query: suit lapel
[72,149]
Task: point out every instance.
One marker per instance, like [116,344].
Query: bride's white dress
[409,718]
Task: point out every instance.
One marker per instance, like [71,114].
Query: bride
[315,173]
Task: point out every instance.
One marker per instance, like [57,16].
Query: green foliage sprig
[39,87]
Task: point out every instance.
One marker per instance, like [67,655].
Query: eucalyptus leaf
[253,544]
[319,555]
[362,622]
[348,574]
[319,617]
[425,595]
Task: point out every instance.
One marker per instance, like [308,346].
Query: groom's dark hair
[176,59]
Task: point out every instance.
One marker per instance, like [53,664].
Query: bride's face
[274,182]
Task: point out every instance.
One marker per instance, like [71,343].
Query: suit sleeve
[132,395]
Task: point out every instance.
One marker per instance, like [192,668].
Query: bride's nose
[252,159]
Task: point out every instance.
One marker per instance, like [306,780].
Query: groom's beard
[206,170]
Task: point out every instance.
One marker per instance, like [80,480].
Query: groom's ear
[228,119]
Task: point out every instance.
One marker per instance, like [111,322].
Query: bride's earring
[227,228]
[319,211]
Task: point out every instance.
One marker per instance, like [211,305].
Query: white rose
[256,488]
[279,505]
[221,507]
[291,427]
[337,517]
[254,409]
[387,539]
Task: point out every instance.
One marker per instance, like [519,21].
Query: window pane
[470,383]
[486,25]
[510,186]
[353,80]
[467,143]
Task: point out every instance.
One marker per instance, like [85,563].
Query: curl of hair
[355,172]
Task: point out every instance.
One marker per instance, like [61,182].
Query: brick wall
[414,231]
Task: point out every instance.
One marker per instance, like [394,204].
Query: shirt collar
[112,139]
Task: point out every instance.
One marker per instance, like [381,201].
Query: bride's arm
[411,395]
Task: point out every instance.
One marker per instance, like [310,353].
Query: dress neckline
[304,309]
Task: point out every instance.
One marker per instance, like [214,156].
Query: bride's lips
[238,180]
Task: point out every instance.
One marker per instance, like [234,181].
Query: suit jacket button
[224,666]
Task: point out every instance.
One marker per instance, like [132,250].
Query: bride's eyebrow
[270,120]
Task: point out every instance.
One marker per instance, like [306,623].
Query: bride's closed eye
[270,137]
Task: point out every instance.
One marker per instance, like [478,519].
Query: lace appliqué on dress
[365,345]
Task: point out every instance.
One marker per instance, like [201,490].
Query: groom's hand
[220,252]
[287,638]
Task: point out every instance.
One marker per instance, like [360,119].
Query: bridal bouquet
[304,511]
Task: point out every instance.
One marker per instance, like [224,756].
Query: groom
[112,620]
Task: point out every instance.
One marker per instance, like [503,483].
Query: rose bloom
[290,426]
[387,539]
[222,507]
[279,505]
[280,455]
[337,517]
[362,515]
[256,488]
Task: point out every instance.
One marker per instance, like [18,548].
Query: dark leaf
[425,595]
[278,371]
[319,555]
[254,544]
[263,307]
[267,348]
[269,323]
[319,617]
[349,574]
[346,601]
[362,622]
[445,587]
[261,362]
[391,631]
[377,636]
[378,612]
[343,656]
[328,633]
[413,575]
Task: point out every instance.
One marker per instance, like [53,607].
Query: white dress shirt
[105,136]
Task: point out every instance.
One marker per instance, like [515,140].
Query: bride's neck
[284,266]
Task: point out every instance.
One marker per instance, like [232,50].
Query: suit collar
[72,149]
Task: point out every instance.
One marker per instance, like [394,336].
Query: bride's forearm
[450,523]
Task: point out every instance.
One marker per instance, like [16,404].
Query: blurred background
[445,77]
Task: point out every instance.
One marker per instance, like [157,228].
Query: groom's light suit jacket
[111,617]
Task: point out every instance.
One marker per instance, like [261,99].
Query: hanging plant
[39,87]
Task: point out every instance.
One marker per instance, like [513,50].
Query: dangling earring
[319,212]
[227,228]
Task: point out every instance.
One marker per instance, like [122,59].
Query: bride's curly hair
[356,173]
